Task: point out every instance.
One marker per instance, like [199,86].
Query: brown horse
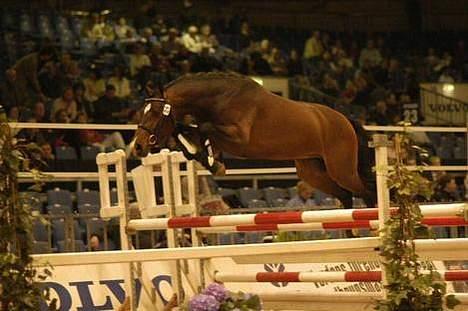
[242,118]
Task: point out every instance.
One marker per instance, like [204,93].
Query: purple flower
[203,303]
[217,291]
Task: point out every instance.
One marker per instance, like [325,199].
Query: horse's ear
[149,88]
[161,90]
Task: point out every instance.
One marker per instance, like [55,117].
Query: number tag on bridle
[166,110]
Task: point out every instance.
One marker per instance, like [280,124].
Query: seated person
[90,137]
[304,196]
[95,243]
[446,189]
[109,108]
[434,175]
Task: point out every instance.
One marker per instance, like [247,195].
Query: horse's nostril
[138,147]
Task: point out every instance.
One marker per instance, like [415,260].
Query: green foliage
[408,288]
[19,290]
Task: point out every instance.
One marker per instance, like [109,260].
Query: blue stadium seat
[77,25]
[273,193]
[225,239]
[328,203]
[61,24]
[89,152]
[334,234]
[8,20]
[40,231]
[59,209]
[58,229]
[87,47]
[280,202]
[239,238]
[292,191]
[459,153]
[444,152]
[88,209]
[25,24]
[461,142]
[248,194]
[95,226]
[79,246]
[59,196]
[67,41]
[257,204]
[253,237]
[87,197]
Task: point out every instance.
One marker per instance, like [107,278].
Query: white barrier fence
[190,267]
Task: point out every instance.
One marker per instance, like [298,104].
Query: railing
[255,175]
[438,108]
[132,127]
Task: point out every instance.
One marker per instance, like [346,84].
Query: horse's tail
[366,157]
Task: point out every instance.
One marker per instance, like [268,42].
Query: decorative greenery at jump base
[407,288]
[19,290]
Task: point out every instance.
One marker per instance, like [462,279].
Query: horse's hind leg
[342,167]
[313,172]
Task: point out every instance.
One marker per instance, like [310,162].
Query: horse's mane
[207,76]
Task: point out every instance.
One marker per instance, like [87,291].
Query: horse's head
[156,126]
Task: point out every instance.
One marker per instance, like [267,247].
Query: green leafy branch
[19,289]
[408,288]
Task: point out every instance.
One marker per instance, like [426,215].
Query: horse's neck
[209,103]
[198,104]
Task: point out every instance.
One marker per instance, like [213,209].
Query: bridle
[166,115]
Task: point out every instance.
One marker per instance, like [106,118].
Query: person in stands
[304,196]
[95,243]
[90,137]
[446,189]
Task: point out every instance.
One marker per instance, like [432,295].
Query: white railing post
[172,234]
[380,143]
[192,184]
[118,159]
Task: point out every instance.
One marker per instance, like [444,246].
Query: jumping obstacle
[332,219]
[178,213]
[325,226]
[336,276]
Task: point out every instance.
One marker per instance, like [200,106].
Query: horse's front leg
[199,148]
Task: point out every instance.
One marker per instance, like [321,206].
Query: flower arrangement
[216,297]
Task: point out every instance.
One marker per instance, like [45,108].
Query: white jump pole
[380,144]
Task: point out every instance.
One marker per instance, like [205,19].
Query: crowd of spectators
[95,68]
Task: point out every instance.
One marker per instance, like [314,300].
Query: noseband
[166,114]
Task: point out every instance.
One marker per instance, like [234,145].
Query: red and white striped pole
[357,216]
[359,224]
[333,276]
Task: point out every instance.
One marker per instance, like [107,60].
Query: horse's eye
[147,108]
